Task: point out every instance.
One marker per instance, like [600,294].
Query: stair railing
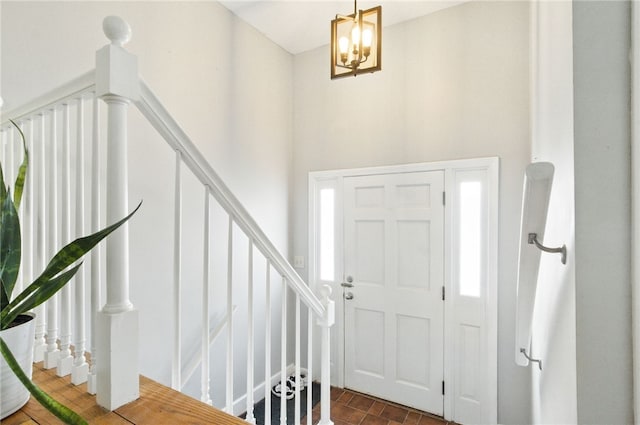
[49,135]
[113,346]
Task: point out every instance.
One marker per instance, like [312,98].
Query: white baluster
[325,385]
[39,161]
[15,160]
[65,362]
[176,367]
[205,377]
[267,347]
[309,366]
[14,164]
[52,354]
[283,354]
[80,367]
[3,148]
[10,157]
[96,276]
[250,418]
[297,372]
[117,83]
[30,211]
[229,376]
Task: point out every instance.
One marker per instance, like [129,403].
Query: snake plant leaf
[10,240]
[63,259]
[76,249]
[4,298]
[10,249]
[22,171]
[61,411]
[42,291]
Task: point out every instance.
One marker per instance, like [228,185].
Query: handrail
[58,96]
[535,201]
[149,105]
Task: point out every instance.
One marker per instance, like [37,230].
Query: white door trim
[635,184]
[333,179]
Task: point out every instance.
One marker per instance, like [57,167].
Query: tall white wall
[230,89]
[601,75]
[454,84]
[554,394]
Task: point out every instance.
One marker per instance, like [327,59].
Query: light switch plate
[298,262]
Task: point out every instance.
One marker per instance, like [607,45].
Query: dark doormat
[258,408]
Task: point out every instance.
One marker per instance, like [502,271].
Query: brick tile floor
[352,408]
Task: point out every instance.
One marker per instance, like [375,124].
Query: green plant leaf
[65,414]
[41,292]
[22,171]
[4,297]
[10,239]
[76,249]
[63,259]
[10,250]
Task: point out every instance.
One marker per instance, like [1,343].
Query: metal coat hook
[532,360]
[533,239]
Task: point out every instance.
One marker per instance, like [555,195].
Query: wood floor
[160,405]
[157,405]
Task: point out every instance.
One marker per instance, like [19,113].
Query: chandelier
[356,42]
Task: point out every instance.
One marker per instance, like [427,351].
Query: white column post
[325,380]
[117,83]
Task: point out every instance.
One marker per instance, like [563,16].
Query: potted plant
[16,323]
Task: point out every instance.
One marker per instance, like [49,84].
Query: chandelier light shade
[356,42]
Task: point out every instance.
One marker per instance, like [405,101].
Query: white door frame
[333,179]
[635,199]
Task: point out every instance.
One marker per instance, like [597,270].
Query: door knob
[348,296]
[348,283]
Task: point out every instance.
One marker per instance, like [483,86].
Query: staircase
[251,318]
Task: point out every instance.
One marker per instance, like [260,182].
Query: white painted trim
[449,337]
[334,178]
[492,295]
[314,187]
[635,202]
[316,176]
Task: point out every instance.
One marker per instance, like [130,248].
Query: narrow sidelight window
[470,242]
[327,234]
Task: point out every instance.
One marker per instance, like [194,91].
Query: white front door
[393,283]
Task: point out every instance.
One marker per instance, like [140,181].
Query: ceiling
[301,25]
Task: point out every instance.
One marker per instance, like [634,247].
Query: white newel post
[325,373]
[117,83]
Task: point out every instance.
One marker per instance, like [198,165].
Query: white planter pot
[19,339]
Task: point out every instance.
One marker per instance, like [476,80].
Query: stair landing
[157,405]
